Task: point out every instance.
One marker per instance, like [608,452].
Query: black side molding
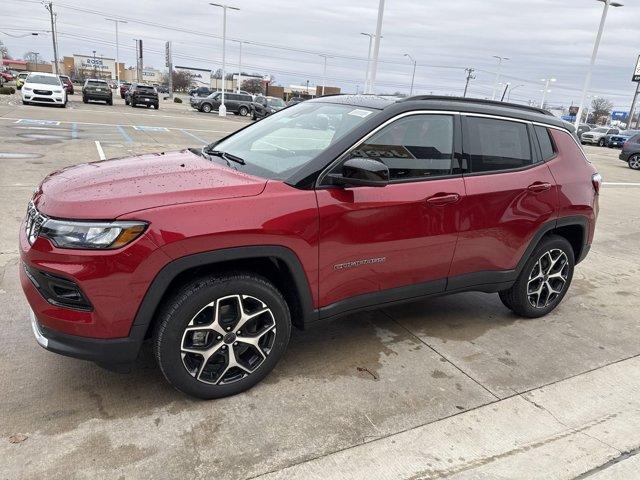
[161,282]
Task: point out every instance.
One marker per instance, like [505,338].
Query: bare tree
[252,85]
[181,80]
[5,51]
[601,107]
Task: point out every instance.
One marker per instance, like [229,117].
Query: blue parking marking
[145,128]
[124,134]
[29,121]
[74,130]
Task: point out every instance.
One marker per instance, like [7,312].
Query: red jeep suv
[322,209]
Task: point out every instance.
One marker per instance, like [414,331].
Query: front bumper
[624,156]
[53,99]
[110,353]
[592,141]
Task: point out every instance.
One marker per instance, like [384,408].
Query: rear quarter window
[546,143]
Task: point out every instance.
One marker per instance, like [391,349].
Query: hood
[107,189]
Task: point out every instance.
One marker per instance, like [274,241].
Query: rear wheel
[156,106]
[85,100]
[544,280]
[110,101]
[219,336]
[244,111]
[634,162]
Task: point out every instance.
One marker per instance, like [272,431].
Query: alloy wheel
[548,278]
[634,162]
[228,339]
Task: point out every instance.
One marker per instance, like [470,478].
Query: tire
[243,111]
[634,162]
[85,100]
[534,294]
[206,108]
[110,102]
[156,106]
[192,305]
[126,102]
[253,116]
[601,142]
[133,105]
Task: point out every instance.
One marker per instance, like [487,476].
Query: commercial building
[94,66]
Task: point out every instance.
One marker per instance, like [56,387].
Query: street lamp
[546,89]
[366,76]
[413,75]
[239,68]
[594,54]
[495,83]
[35,54]
[117,50]
[376,47]
[222,111]
[324,72]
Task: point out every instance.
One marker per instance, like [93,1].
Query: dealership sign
[636,72]
[619,115]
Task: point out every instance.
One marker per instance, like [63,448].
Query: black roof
[433,102]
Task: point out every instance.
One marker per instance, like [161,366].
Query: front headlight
[91,235]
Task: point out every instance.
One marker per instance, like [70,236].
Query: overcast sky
[542,38]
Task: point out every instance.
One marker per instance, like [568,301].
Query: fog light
[199,339]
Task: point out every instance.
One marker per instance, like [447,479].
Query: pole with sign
[634,78]
[169,63]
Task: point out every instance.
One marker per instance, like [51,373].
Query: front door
[397,240]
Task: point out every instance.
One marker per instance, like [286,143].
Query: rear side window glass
[496,144]
[414,147]
[546,144]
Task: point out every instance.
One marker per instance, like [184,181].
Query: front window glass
[43,79]
[413,147]
[601,130]
[281,143]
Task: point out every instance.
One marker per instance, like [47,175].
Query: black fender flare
[158,287]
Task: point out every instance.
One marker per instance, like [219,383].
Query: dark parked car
[5,76]
[67,83]
[124,86]
[201,92]
[631,152]
[264,106]
[142,95]
[96,89]
[237,103]
[215,254]
[616,140]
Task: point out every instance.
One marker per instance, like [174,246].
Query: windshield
[281,143]
[276,102]
[601,130]
[43,79]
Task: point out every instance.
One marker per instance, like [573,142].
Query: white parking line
[630,184]
[100,151]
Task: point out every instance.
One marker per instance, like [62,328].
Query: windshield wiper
[225,155]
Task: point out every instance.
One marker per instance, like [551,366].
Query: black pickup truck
[142,95]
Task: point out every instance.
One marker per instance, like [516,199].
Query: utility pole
[169,63]
[470,76]
[35,54]
[506,87]
[324,73]
[413,75]
[366,77]
[49,7]
[376,47]
[497,79]
[546,90]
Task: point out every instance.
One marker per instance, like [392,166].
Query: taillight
[596,179]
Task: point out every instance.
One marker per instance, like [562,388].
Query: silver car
[598,135]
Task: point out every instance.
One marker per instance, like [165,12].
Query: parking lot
[455,387]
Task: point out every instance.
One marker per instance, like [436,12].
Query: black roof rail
[495,103]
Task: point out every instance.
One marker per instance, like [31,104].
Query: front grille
[33,223]
[43,92]
[587,136]
[43,99]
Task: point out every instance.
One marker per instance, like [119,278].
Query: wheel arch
[278,264]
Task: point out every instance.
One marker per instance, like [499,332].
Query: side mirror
[362,172]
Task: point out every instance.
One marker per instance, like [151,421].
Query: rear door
[510,193]
[401,236]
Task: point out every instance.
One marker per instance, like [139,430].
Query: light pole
[413,75]
[14,36]
[366,76]
[222,111]
[240,67]
[376,47]
[495,83]
[117,49]
[546,89]
[594,54]
[470,76]
[324,73]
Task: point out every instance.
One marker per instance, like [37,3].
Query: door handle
[443,199]
[538,187]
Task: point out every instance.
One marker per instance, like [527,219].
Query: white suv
[598,136]
[44,88]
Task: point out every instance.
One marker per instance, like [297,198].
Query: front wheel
[243,111]
[634,162]
[221,335]
[544,280]
[206,108]
[602,142]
